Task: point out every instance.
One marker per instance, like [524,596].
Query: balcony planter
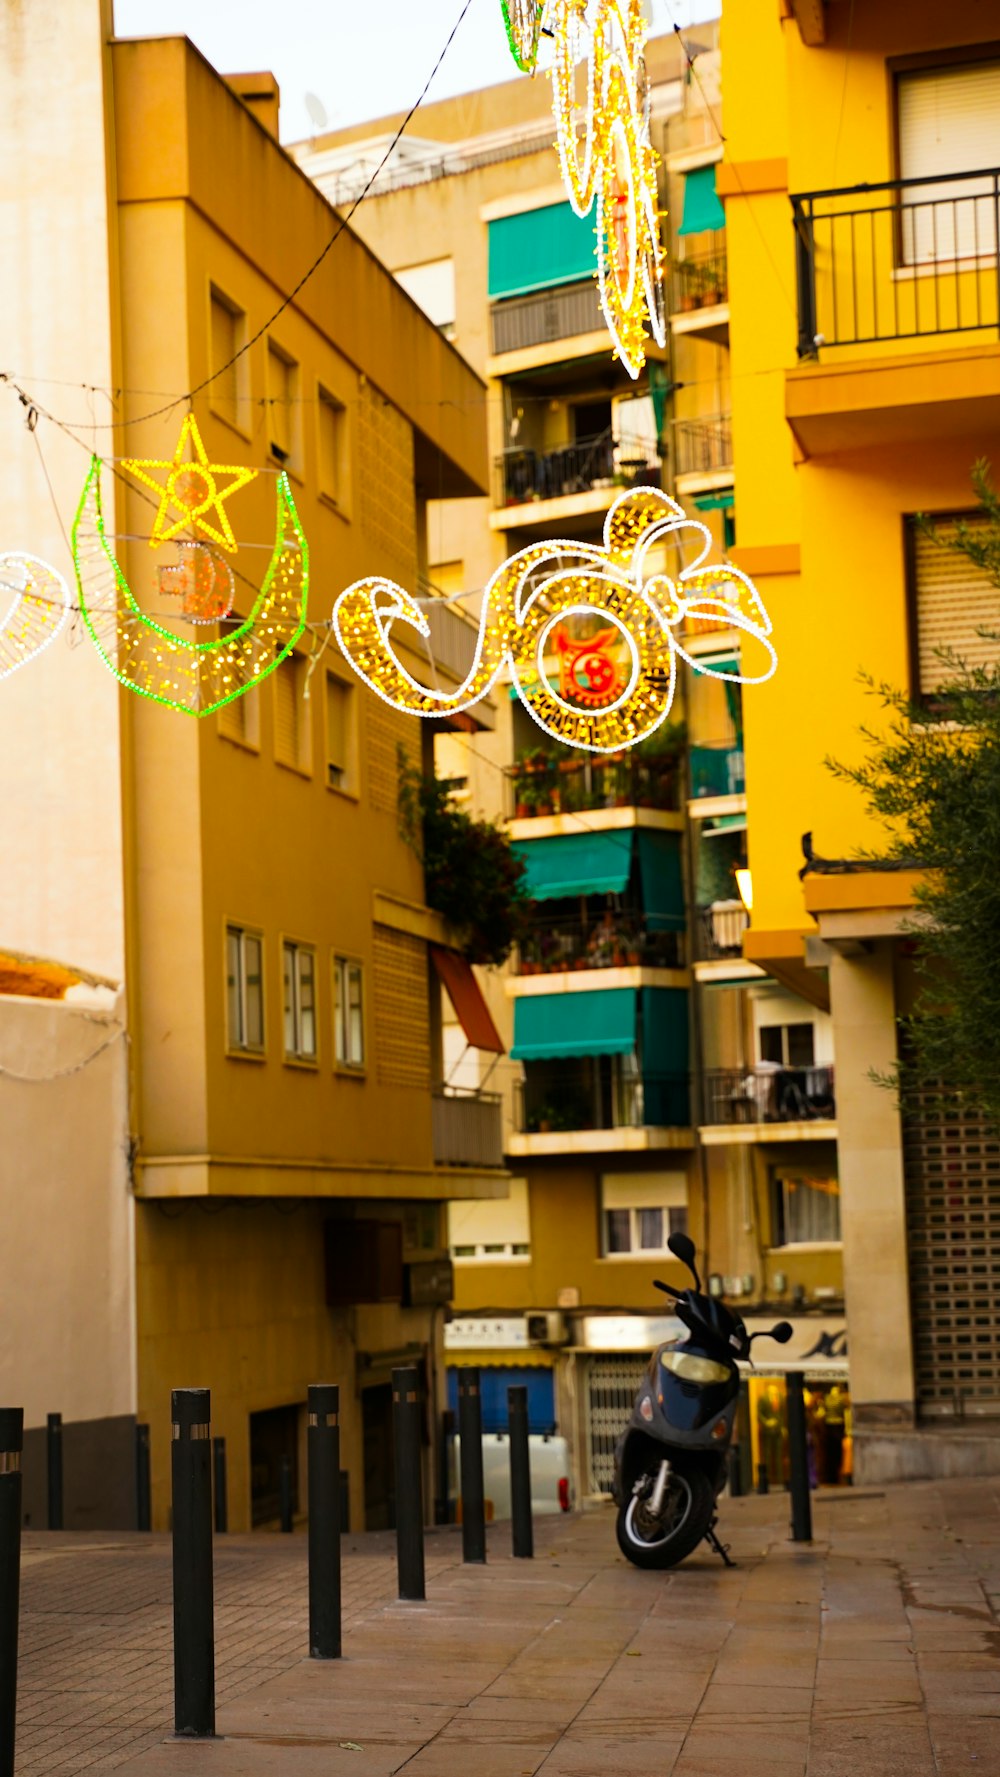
[521,811]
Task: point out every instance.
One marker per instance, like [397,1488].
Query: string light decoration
[190,491]
[193,677]
[523,24]
[34,605]
[588,635]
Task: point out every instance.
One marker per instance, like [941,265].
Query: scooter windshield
[694,1386]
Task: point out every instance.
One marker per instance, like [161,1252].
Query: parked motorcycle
[670,1462]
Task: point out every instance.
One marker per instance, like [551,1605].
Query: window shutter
[949,122]
[224,346]
[286,712]
[954,599]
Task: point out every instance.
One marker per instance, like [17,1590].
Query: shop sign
[486,1333]
[817,1345]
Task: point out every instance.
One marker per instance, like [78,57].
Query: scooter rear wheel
[664,1541]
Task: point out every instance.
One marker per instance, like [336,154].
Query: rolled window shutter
[949,122]
[286,712]
[954,600]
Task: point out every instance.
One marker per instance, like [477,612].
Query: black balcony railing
[703,446]
[720,930]
[547,1103]
[521,475]
[768,1094]
[905,259]
[700,283]
[547,316]
[612,940]
[544,783]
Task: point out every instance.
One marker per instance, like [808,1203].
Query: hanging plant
[472,877]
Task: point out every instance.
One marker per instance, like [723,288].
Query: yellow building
[861,217]
[275,1198]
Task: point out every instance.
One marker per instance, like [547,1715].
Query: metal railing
[905,259]
[703,446]
[522,475]
[700,283]
[548,315]
[720,930]
[768,1094]
[467,1128]
[717,771]
[542,783]
[453,637]
[613,940]
[546,1103]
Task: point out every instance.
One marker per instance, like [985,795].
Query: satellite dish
[317,111]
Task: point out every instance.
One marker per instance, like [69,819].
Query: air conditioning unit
[547,1329]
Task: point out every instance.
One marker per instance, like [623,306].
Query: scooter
[670,1462]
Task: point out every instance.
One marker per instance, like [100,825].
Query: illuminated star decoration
[190,490]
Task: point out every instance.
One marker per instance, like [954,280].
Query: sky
[359,61]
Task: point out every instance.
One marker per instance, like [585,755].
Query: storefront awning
[551,1026]
[576,864]
[463,990]
[702,209]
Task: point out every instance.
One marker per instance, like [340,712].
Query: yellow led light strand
[190,488]
[34,605]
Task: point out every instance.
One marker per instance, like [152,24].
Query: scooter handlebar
[667,1288]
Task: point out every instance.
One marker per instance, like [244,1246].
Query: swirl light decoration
[605,153]
[193,677]
[533,600]
[34,605]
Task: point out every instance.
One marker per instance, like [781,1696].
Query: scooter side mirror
[782,1332]
[682,1247]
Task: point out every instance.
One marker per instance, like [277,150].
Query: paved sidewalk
[873,1653]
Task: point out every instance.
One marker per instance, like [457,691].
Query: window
[341,735]
[300,1001]
[332,446]
[789,1045]
[244,990]
[950,600]
[227,336]
[282,408]
[432,287]
[806,1207]
[292,737]
[641,1210]
[949,122]
[348,1012]
[240,719]
[494,1231]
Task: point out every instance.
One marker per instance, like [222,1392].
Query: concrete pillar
[873,1210]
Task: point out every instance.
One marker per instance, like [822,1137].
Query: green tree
[932,776]
[472,877]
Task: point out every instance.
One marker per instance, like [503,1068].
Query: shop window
[348,1012]
[244,990]
[282,406]
[341,735]
[788,1045]
[292,737]
[805,1207]
[299,983]
[227,337]
[640,1212]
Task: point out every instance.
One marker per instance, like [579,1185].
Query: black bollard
[762,1480]
[11,1446]
[798,1459]
[470,1431]
[406,1415]
[194,1622]
[285,1494]
[143,1491]
[521,1529]
[220,1489]
[54,1453]
[323,1439]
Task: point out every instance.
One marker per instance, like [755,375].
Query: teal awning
[576,864]
[552,1025]
[662,879]
[721,502]
[702,209]
[665,1056]
[540,248]
[724,823]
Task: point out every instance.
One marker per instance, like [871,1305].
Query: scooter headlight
[694,1369]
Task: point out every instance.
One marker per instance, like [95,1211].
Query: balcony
[769,1095]
[452,648]
[533,487]
[703,453]
[610,941]
[717,771]
[700,297]
[543,784]
[548,316]
[909,259]
[595,1095]
[720,930]
[467,1128]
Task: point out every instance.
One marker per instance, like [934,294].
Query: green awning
[552,1025]
[665,1056]
[721,502]
[538,249]
[662,879]
[576,864]
[702,209]
[724,823]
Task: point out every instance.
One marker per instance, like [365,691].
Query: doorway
[379,1457]
[274,1435]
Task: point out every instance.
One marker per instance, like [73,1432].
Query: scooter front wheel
[670,1536]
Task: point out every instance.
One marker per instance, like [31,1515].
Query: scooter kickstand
[721,1549]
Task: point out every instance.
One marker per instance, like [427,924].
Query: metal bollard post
[143,1491]
[763,1485]
[521,1529]
[285,1494]
[406,1411]
[470,1431]
[324,1521]
[798,1459]
[194,1622]
[54,1453]
[220,1488]
[11,1446]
